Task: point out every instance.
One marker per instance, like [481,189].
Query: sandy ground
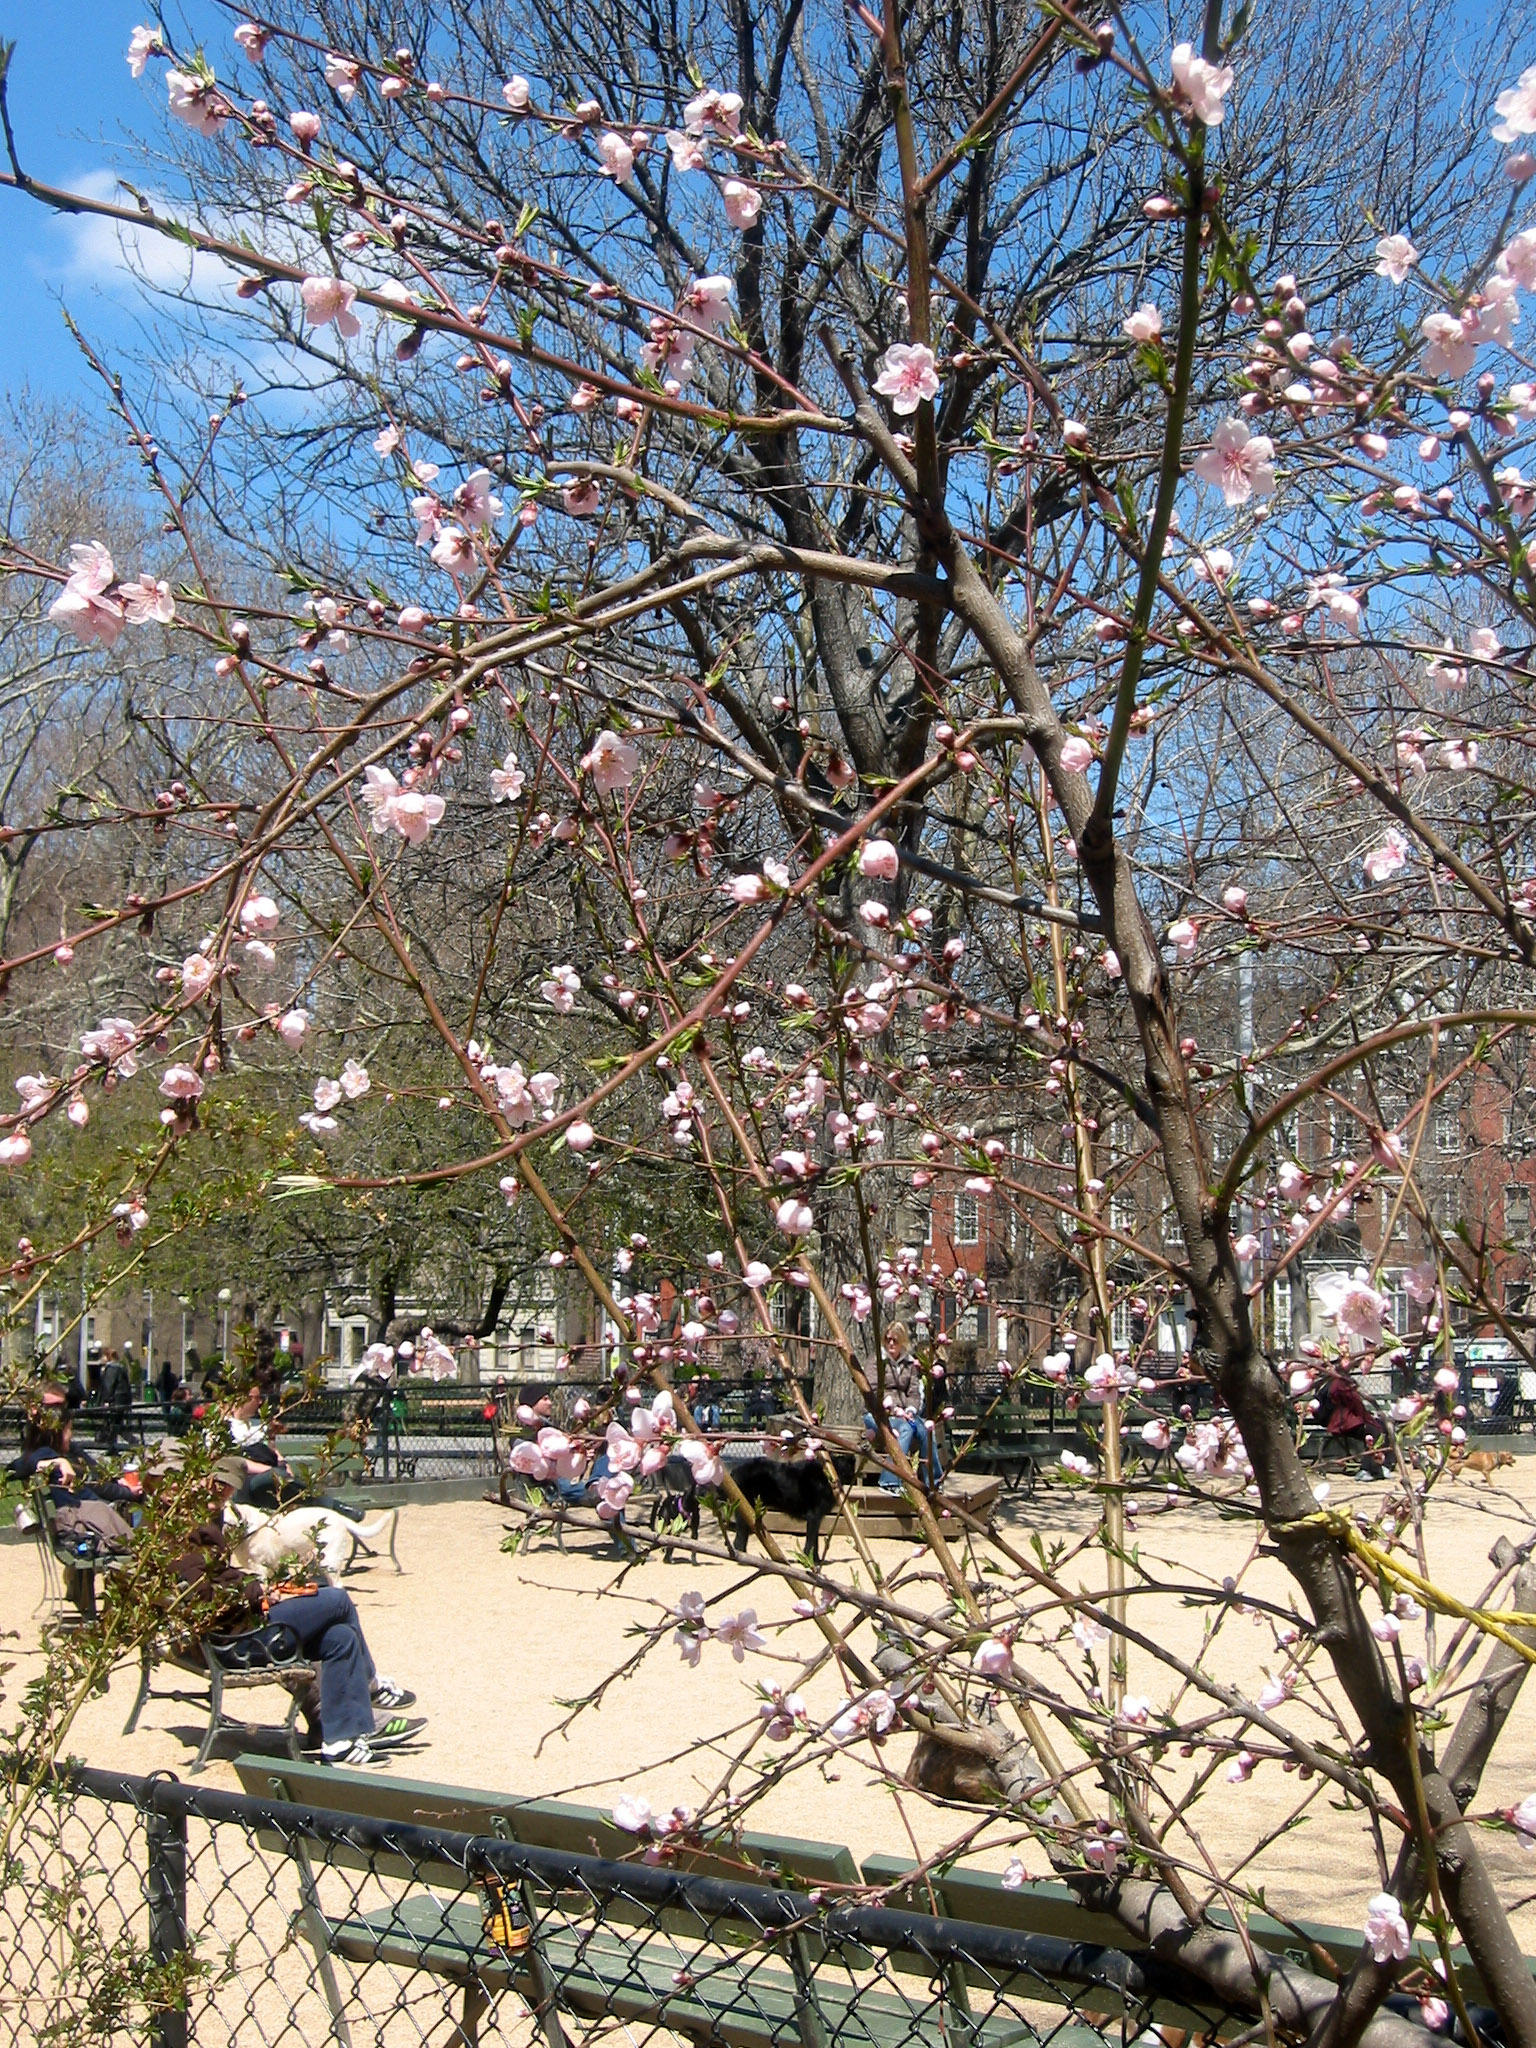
[495,1644]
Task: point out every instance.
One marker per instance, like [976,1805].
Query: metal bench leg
[146,1666]
[476,2004]
[316,1931]
[215,1717]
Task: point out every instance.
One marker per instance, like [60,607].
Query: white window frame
[965,1233]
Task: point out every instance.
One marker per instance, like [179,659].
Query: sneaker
[356,1755]
[387,1692]
[398,1729]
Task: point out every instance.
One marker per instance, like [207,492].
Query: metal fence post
[165,1883]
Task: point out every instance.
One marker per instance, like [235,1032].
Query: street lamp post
[224,1298]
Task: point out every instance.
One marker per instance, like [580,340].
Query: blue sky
[73,106]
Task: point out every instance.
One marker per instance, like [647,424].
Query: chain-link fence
[137,1908]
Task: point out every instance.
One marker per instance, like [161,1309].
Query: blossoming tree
[842,587]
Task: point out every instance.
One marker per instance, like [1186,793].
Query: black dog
[800,1490]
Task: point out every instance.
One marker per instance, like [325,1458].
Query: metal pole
[166,1888]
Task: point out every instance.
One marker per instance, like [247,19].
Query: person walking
[116,1399]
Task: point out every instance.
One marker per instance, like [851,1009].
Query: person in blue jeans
[904,1393]
[354,1711]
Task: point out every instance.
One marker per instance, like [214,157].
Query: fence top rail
[1136,1976]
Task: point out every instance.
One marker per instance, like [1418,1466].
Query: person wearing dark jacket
[218,1599]
[1349,1424]
[116,1398]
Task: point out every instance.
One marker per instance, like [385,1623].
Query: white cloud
[121,259]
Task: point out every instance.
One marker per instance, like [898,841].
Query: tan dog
[1486,1462]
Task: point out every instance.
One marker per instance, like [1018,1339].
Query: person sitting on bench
[904,1397]
[326,1627]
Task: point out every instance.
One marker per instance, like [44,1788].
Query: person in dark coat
[116,1398]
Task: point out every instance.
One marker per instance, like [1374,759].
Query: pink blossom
[689,152]
[1076,755]
[1135,1711]
[1458,756]
[1452,344]
[908,376]
[720,111]
[1184,937]
[613,763]
[83,605]
[582,498]
[196,103]
[253,39]
[113,1040]
[1483,644]
[1523,1820]
[1516,109]
[517,92]
[474,501]
[1156,1434]
[613,1495]
[292,1026]
[993,1659]
[873,1714]
[143,44]
[1234,899]
[454,551]
[197,975]
[1396,256]
[1199,88]
[580,1137]
[741,1632]
[1145,324]
[342,75]
[1247,1246]
[879,860]
[1014,1876]
[1387,858]
[330,298]
[181,1084]
[1420,1283]
[618,158]
[146,600]
[793,1217]
[707,303]
[304,126]
[507,781]
[743,203]
[632,1813]
[1238,464]
[1386,1930]
[327,1094]
[1353,1305]
[394,809]
[1518,260]
[562,989]
[15,1149]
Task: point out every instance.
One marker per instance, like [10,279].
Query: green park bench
[737,1986]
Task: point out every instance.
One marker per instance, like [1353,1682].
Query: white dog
[273,1544]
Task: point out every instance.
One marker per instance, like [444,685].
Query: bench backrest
[536,1823]
[1048,1908]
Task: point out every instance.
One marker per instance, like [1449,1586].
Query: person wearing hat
[358,1713]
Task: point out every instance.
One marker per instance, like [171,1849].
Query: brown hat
[230,1472]
[169,1455]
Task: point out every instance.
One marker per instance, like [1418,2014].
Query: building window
[1122,1211]
[928,1224]
[967,1219]
[1517,1210]
[1280,1310]
[1120,1326]
[1447,1132]
[1173,1233]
